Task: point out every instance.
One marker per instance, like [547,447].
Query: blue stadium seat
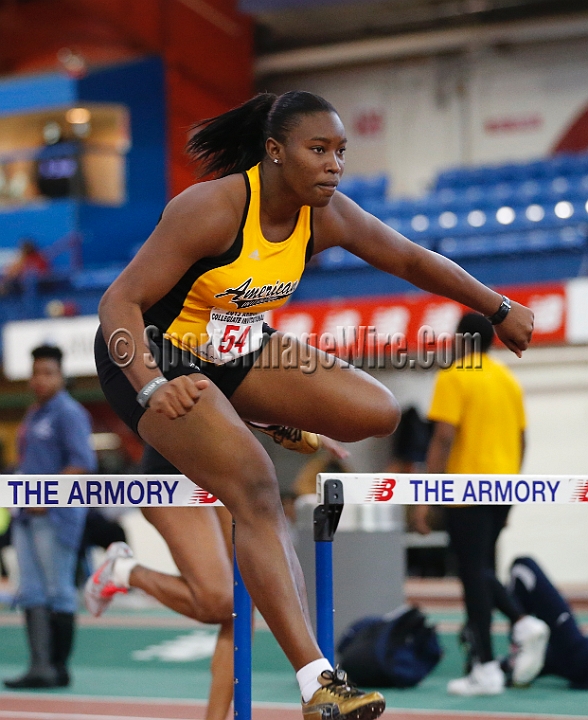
[546,215]
[446,224]
[351,187]
[530,191]
[379,208]
[463,222]
[401,224]
[583,210]
[565,212]
[557,188]
[375,186]
[453,178]
[462,247]
[543,169]
[570,163]
[363,188]
[95,278]
[578,185]
[511,243]
[418,229]
[501,194]
[556,238]
[513,172]
[486,174]
[336,258]
[398,207]
[532,216]
[473,195]
[445,197]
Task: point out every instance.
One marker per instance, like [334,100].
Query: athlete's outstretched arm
[344,223]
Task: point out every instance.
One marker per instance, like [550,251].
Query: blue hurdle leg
[242,645]
[325,603]
[325,521]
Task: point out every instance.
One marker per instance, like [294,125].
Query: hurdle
[24,491]
[335,490]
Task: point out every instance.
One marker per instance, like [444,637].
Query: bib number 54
[232,339]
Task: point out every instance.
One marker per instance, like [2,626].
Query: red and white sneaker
[100,587]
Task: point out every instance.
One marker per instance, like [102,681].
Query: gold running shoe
[290,438]
[338,699]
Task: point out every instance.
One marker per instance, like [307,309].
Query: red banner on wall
[376,321]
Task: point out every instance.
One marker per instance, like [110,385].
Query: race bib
[231,336]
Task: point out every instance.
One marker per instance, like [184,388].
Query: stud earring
[276,160]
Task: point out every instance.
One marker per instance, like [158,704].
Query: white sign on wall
[74,336]
[577,303]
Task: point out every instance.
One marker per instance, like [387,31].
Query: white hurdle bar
[446,489]
[102,491]
[359,489]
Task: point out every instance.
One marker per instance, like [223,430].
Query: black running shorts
[122,397]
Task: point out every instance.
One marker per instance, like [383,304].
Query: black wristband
[501,313]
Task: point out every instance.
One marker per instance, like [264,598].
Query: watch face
[502,311]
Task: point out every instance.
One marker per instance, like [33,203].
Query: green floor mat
[172,663]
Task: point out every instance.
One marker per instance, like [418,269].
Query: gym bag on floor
[397,651]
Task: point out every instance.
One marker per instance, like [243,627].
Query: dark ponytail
[235,141]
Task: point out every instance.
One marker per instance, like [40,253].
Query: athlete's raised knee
[376,416]
[387,413]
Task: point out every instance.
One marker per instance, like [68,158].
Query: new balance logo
[581,494]
[381,490]
[202,497]
[255,254]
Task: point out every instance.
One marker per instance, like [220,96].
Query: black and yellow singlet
[216,309]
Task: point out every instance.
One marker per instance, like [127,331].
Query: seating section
[485,211]
[504,224]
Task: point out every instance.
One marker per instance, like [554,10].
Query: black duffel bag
[392,651]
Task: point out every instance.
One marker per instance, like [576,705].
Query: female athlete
[224,252]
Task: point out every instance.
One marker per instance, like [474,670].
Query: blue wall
[110,233]
[36,92]
[113,232]
[45,221]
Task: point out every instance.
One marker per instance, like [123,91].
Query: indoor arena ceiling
[289,24]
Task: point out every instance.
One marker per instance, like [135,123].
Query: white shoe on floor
[100,587]
[484,679]
[530,637]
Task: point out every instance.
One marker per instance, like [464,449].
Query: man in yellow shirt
[479,417]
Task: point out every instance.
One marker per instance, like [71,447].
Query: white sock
[307,677]
[121,571]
